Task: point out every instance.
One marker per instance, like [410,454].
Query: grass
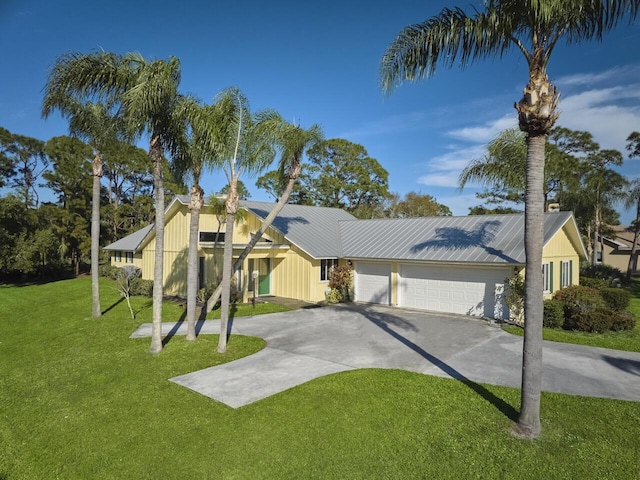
[81,400]
[247,310]
[628,341]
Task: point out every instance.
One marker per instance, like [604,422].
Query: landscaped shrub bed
[553,316]
[589,309]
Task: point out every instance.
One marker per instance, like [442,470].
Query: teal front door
[263,267]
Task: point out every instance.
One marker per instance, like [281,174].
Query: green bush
[514,296]
[553,316]
[612,275]
[334,296]
[622,321]
[595,321]
[141,287]
[616,298]
[108,271]
[597,283]
[578,300]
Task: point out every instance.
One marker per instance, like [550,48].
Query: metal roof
[313,229]
[132,242]
[497,239]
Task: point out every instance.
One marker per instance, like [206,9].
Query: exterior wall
[616,259]
[558,250]
[294,274]
[137,259]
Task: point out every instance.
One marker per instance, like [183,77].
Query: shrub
[108,271]
[342,280]
[141,287]
[578,300]
[595,321]
[553,316]
[514,296]
[597,283]
[622,321]
[334,296]
[616,298]
[612,275]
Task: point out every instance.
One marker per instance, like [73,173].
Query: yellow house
[443,264]
[293,259]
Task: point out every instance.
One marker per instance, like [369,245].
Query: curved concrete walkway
[310,343]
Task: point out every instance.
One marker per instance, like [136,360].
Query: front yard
[81,400]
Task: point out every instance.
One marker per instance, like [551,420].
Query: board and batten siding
[560,249]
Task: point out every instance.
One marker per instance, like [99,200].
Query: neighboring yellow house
[444,264]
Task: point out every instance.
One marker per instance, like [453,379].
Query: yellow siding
[137,260]
[558,250]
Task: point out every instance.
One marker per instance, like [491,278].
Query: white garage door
[372,282]
[467,290]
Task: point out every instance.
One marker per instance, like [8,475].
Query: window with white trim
[546,278]
[565,274]
[326,266]
[118,256]
[129,257]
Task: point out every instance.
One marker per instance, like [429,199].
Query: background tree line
[51,239]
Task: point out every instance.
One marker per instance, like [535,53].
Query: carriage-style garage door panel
[372,282]
[468,291]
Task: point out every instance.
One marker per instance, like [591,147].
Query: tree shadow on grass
[113,306]
[385,321]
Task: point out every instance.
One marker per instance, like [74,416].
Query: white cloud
[459,204]
[616,74]
[444,170]
[486,132]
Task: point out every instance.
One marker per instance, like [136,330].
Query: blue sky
[317,62]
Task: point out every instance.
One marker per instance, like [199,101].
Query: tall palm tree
[99,126]
[147,93]
[247,148]
[198,149]
[533,27]
[292,141]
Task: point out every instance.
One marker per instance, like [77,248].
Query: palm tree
[147,92]
[99,126]
[292,141]
[533,27]
[247,147]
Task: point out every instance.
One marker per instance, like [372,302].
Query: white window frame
[129,257]
[118,256]
[565,274]
[326,265]
[546,278]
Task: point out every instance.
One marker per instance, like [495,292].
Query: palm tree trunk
[195,205]
[634,247]
[95,236]
[155,155]
[215,296]
[528,424]
[225,284]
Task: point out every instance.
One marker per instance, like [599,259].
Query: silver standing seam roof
[486,239]
[313,229]
[132,242]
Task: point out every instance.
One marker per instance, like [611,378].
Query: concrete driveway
[310,343]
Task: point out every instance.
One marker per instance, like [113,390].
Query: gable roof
[131,243]
[497,239]
[312,229]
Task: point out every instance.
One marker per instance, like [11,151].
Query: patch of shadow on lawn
[386,320]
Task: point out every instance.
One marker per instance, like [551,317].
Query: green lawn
[247,309]
[79,399]
[629,341]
